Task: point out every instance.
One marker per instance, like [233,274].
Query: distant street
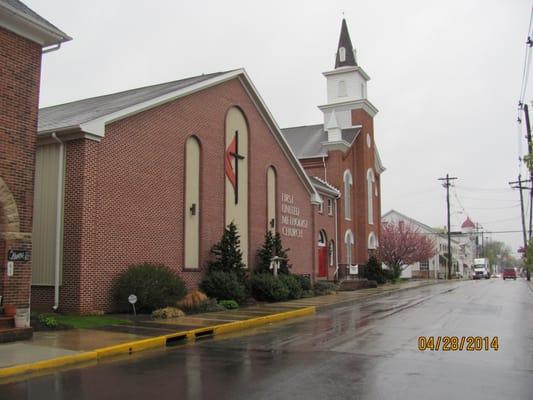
[363,351]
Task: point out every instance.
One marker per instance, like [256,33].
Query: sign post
[275,263]
[132,300]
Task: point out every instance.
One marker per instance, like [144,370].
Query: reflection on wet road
[363,351]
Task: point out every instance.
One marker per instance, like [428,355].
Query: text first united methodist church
[155,174]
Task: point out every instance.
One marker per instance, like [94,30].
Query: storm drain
[202,334]
[175,340]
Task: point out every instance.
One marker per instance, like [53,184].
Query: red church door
[322,261]
[322,255]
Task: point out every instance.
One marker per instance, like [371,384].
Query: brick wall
[20,64]
[358,159]
[124,195]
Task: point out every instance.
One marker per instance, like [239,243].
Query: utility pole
[518,185]
[529,149]
[480,247]
[447,186]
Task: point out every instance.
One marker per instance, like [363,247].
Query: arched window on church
[342,54]
[372,241]
[342,89]
[348,182]
[271,199]
[370,192]
[348,243]
[192,203]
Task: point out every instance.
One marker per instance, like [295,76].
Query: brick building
[24,37]
[342,153]
[155,174]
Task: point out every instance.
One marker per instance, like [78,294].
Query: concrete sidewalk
[54,349]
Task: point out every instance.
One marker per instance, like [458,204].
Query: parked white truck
[481,268]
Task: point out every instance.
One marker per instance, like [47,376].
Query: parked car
[509,273]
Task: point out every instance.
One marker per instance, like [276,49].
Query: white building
[436,266]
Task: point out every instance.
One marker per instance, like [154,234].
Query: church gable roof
[307,141]
[76,113]
[90,116]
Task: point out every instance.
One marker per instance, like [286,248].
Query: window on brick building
[370,192]
[348,243]
[348,182]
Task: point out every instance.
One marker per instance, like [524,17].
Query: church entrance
[322,255]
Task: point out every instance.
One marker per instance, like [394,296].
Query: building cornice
[343,70]
[30,28]
[353,104]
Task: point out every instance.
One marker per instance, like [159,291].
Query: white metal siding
[44,216]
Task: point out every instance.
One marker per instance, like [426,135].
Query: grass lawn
[86,322]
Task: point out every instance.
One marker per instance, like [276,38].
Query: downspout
[325,169]
[59,198]
[336,241]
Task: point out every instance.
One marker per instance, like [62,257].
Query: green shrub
[227,254]
[373,271]
[322,288]
[229,304]
[305,282]
[48,320]
[272,246]
[266,287]
[209,305]
[222,285]
[293,284]
[156,286]
[167,312]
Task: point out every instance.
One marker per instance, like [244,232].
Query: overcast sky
[445,76]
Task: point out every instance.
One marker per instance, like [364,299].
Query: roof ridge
[302,126]
[326,184]
[138,88]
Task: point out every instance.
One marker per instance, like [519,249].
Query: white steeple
[346,85]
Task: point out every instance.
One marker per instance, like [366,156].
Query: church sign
[18,255]
[291,223]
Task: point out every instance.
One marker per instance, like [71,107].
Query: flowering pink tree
[402,244]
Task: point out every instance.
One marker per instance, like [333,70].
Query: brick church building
[24,37]
[154,174]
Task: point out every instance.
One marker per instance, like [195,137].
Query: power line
[480,189]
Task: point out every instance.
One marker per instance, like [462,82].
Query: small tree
[401,244]
[265,254]
[228,254]
[284,267]
[272,246]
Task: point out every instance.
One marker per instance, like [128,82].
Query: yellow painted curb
[154,342]
[46,364]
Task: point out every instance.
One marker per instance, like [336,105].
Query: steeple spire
[345,52]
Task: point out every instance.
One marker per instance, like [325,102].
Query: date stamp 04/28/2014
[458,343]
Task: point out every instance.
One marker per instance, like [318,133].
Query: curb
[374,295]
[153,343]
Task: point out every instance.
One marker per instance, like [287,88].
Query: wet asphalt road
[363,351]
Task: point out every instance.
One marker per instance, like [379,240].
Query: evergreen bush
[229,304]
[272,246]
[322,288]
[374,272]
[227,254]
[222,285]
[293,284]
[156,286]
[267,287]
[305,282]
